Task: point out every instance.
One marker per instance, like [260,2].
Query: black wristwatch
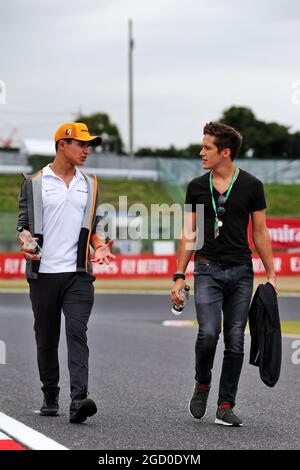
[20,229]
[178,276]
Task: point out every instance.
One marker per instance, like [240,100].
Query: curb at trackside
[7,443]
[27,436]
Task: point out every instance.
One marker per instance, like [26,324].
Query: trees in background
[260,139]
[100,124]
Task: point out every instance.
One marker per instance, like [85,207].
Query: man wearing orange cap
[56,225]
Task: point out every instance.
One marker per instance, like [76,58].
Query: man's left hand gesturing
[103,254]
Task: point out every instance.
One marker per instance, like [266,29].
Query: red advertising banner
[284,232]
[12,265]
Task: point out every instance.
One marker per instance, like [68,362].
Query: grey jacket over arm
[31,218]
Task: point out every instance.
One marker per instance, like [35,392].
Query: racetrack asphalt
[141,377]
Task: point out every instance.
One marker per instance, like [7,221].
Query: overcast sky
[192,59]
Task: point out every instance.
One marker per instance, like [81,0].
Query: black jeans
[217,289]
[74,294]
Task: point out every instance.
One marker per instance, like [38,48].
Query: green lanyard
[216,222]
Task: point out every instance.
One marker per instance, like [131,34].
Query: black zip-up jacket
[265,330]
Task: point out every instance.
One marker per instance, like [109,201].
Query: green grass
[146,192]
[290,327]
[282,199]
[9,191]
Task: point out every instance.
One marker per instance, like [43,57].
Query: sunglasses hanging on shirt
[220,209]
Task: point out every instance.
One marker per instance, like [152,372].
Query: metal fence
[173,173]
[183,169]
[268,171]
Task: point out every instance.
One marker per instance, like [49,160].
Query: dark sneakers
[50,404]
[81,409]
[197,406]
[226,416]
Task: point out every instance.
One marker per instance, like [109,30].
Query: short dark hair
[225,137]
[66,140]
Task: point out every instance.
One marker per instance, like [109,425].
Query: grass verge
[288,327]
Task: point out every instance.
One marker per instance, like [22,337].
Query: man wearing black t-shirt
[223,273]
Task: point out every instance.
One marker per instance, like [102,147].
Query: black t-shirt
[246,196]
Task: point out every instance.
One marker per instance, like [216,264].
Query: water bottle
[35,246]
[184,295]
[26,239]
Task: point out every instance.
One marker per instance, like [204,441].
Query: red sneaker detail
[205,388]
[225,406]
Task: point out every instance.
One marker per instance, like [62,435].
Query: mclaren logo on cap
[68,131]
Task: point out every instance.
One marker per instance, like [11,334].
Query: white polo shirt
[63,211]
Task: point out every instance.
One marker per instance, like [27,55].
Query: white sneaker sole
[219,421]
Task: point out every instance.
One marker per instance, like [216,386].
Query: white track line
[27,436]
[178,323]
[190,323]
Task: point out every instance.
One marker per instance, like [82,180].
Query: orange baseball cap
[77,131]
